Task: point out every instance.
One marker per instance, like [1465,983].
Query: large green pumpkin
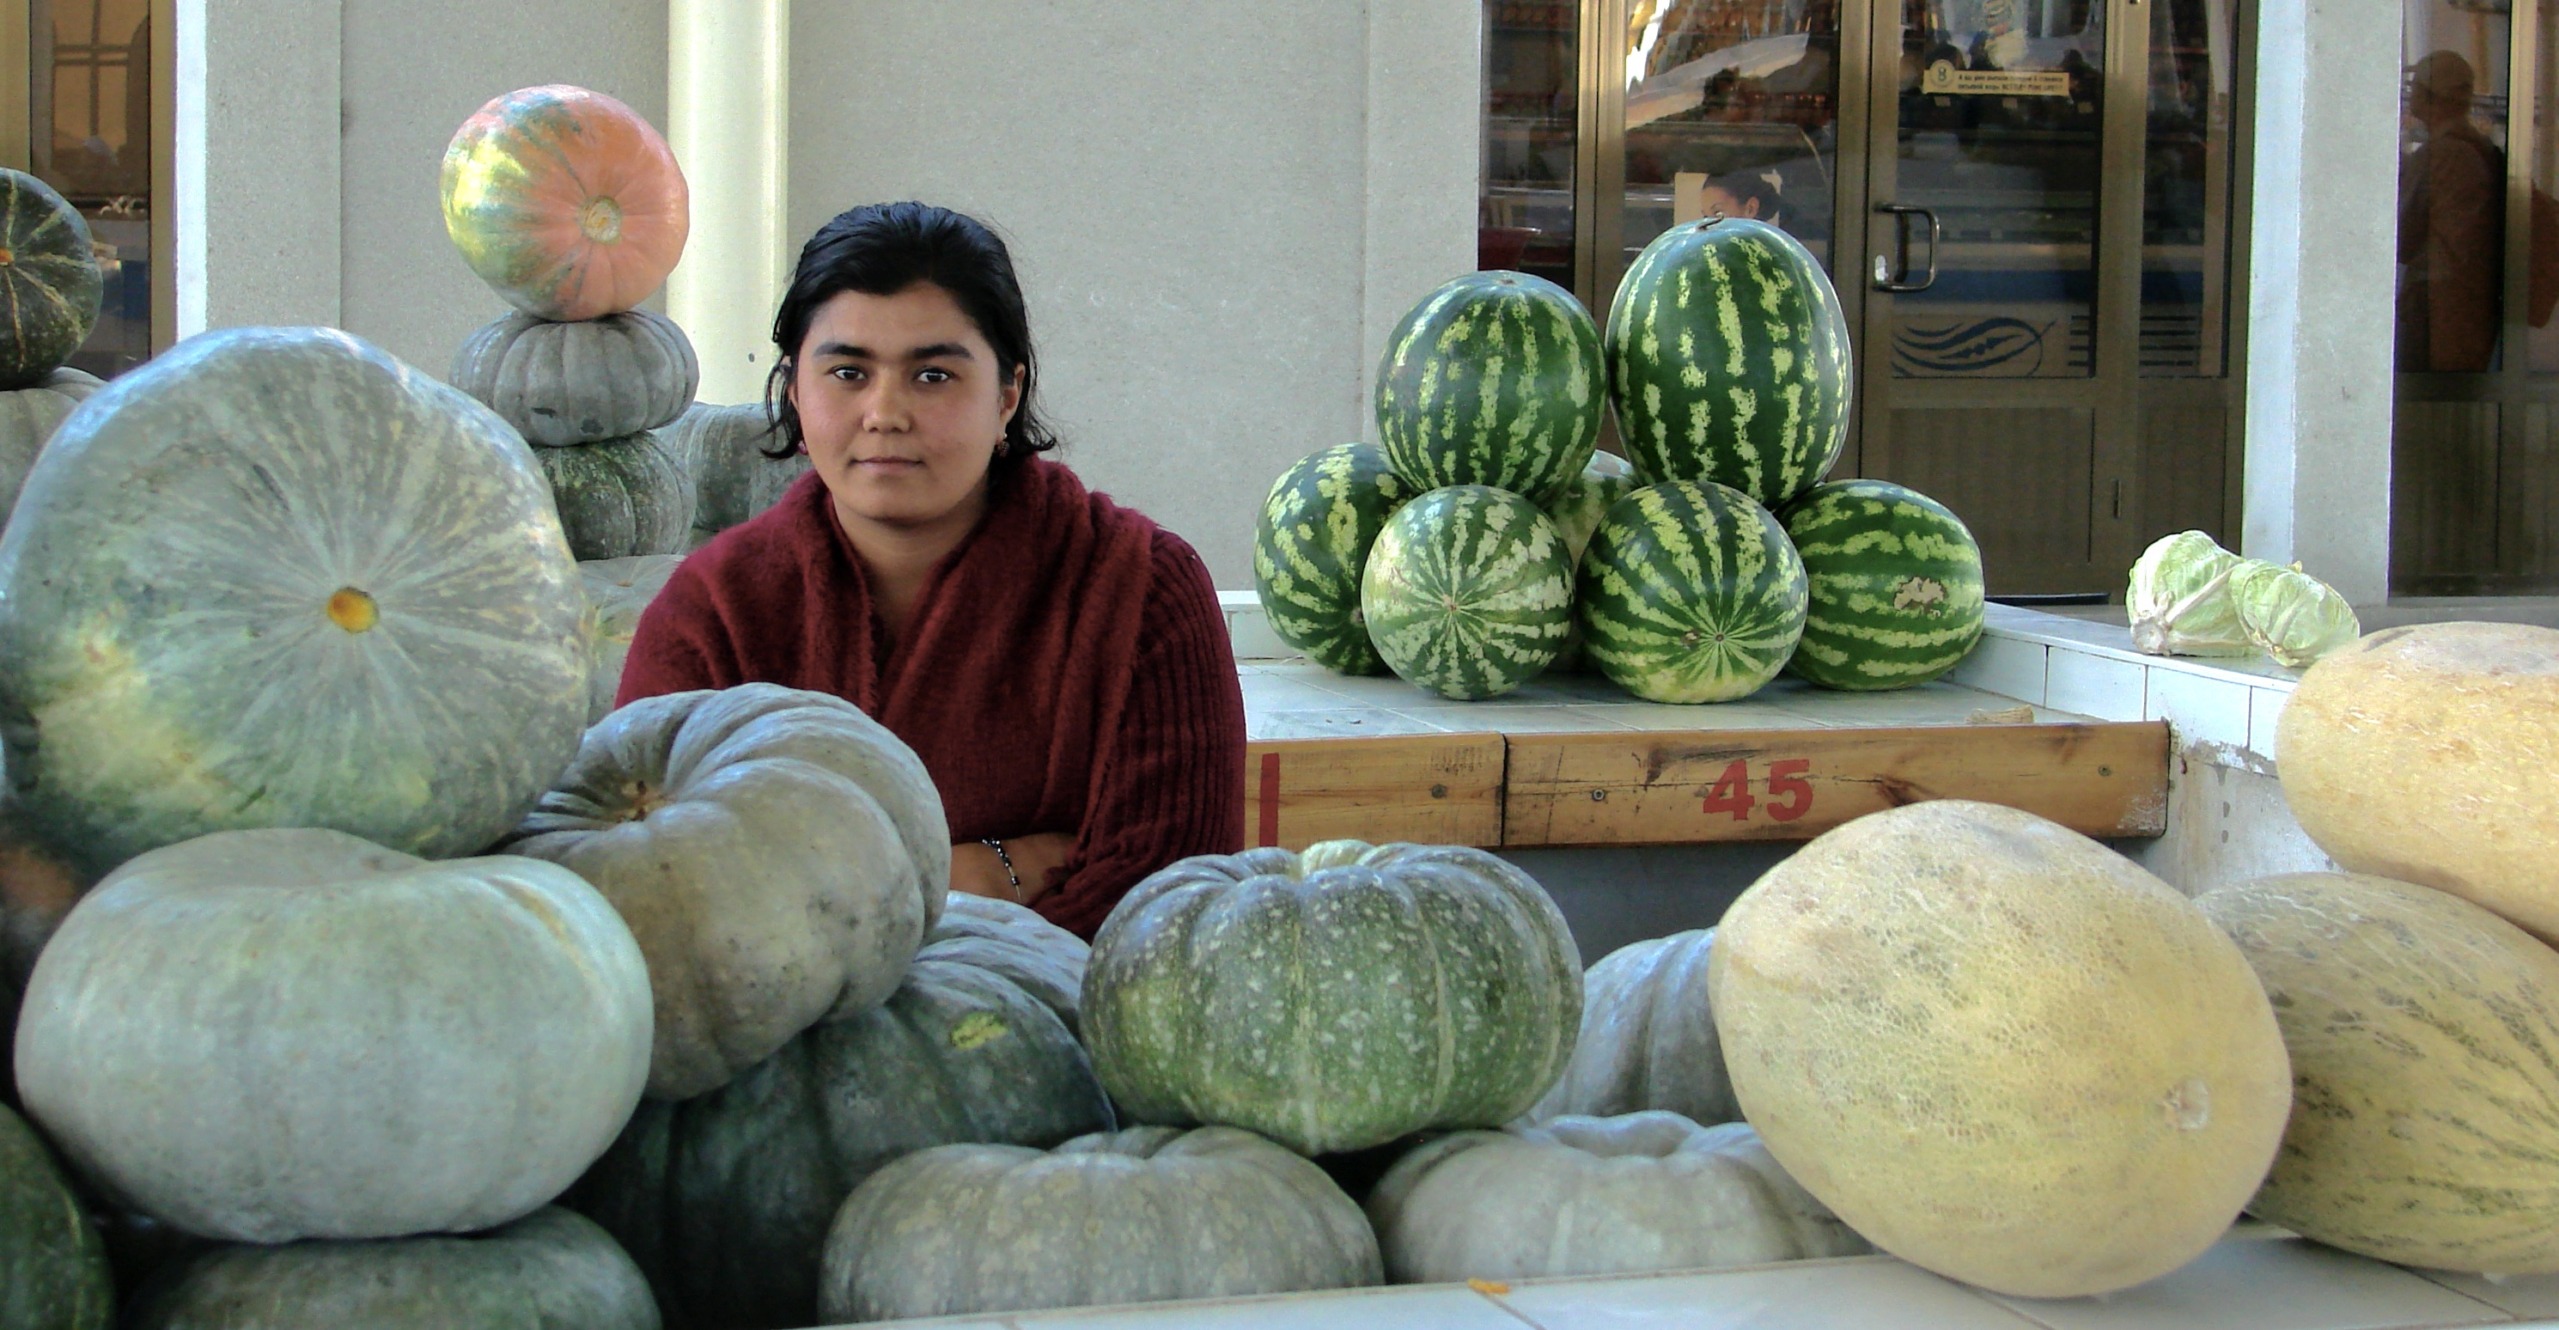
[1143,1215]
[1648,1037]
[277,578]
[53,1267]
[619,591]
[29,416]
[1596,1196]
[779,855]
[564,384]
[725,1198]
[723,448]
[549,1271]
[621,497]
[271,1035]
[50,284]
[1333,1000]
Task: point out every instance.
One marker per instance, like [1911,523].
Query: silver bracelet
[1007,860]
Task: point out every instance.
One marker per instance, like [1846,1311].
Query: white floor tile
[1802,1295]
[2093,685]
[2006,666]
[2198,708]
[1540,719]
[1344,722]
[2268,1284]
[1744,715]
[2536,1296]
[1437,1307]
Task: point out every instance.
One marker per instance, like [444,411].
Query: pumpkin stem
[7,256]
[601,220]
[353,610]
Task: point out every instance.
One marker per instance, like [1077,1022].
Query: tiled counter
[2256,1279]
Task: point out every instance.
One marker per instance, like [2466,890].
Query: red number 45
[1790,795]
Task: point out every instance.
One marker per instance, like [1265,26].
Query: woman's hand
[977,871]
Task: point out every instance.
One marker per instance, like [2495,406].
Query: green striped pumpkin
[1691,593]
[1493,379]
[1728,360]
[1322,516]
[1468,592]
[50,286]
[1895,584]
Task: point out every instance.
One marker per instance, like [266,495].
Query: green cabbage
[2290,615]
[2179,601]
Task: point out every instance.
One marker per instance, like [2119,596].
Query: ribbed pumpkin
[569,383]
[50,285]
[279,1034]
[1648,1037]
[723,450]
[621,497]
[1318,523]
[1333,1000]
[53,1268]
[2425,755]
[2000,1050]
[277,578]
[618,590]
[2423,1031]
[28,417]
[549,1271]
[725,1198]
[779,855]
[1143,1215]
[1595,1196]
[565,201]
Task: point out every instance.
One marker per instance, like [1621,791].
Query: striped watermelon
[1728,360]
[1577,512]
[1467,592]
[1691,593]
[1317,525]
[1896,585]
[1493,379]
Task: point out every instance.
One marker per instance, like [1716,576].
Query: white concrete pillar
[2320,290]
[257,170]
[728,104]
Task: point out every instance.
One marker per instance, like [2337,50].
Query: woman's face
[902,405]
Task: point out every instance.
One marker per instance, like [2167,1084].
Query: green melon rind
[1468,592]
[1312,541]
[1728,360]
[1691,593]
[51,287]
[53,1265]
[1577,511]
[1493,379]
[1896,586]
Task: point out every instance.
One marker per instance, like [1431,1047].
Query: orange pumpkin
[566,201]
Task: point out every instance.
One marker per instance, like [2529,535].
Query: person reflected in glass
[1742,194]
[2451,226]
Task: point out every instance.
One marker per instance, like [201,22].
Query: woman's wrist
[1012,877]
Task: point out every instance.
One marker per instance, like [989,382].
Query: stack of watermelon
[1483,540]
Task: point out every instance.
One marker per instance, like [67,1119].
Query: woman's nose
[887,412]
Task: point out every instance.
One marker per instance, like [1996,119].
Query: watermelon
[1467,592]
[1577,511]
[1493,379]
[50,285]
[1728,360]
[1317,525]
[1691,593]
[1895,581]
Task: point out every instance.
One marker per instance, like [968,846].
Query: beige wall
[1217,211]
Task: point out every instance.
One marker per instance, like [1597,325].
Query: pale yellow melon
[1999,1050]
[2422,1028]
[2429,755]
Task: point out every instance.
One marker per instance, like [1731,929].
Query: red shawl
[1023,681]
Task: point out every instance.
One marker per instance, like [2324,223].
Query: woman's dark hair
[881,249]
[1758,187]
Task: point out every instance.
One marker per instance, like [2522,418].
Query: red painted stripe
[1270,800]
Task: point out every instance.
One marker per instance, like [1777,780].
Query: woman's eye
[933,374]
[847,373]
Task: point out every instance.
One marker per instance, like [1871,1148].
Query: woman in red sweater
[1057,660]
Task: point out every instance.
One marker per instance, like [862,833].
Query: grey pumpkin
[563,384]
[28,417]
[621,497]
[723,450]
[552,1270]
[724,1199]
[1216,1212]
[53,1268]
[619,590]
[1648,1037]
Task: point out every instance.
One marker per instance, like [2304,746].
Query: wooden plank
[1431,789]
[2104,779]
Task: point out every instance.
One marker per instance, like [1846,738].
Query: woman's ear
[1013,393]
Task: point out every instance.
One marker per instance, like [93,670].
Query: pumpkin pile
[1483,541]
[50,289]
[572,208]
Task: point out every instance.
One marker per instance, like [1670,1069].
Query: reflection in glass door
[90,134]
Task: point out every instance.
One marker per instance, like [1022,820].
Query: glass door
[89,116]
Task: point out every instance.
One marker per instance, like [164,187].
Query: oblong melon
[2424,1034]
[2425,755]
[2000,1050]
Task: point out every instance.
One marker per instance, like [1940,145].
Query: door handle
[1901,214]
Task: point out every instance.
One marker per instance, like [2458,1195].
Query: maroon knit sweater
[1065,669]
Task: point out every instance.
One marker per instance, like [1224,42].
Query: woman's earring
[1003,446]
